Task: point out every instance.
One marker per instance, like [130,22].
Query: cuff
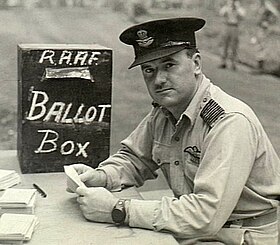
[126,206]
[113,182]
[102,178]
[143,213]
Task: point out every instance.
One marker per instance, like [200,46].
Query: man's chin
[167,102]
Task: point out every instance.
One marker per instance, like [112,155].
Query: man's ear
[197,63]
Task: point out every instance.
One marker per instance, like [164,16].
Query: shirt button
[177,138]
[205,99]
[176,163]
[158,160]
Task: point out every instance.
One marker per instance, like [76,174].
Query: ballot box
[64,105]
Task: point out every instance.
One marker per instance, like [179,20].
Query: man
[212,149]
[136,9]
[268,15]
[260,41]
[233,13]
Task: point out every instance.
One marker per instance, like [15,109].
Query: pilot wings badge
[144,40]
[193,155]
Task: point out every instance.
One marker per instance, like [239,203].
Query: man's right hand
[90,176]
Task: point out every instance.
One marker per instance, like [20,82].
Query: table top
[60,218]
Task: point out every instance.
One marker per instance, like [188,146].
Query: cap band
[174,43]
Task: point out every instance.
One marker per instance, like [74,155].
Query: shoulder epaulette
[211,112]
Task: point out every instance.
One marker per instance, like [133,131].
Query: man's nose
[160,78]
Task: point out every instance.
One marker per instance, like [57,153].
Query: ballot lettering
[49,144]
[69,57]
[64,105]
[59,111]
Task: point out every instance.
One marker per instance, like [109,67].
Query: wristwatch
[118,212]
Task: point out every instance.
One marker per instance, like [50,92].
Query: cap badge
[144,40]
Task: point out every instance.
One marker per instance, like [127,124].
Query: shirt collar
[200,96]
[195,105]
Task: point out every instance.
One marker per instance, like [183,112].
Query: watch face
[118,215]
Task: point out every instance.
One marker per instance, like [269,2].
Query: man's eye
[148,70]
[168,65]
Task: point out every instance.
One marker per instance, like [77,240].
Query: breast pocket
[161,156]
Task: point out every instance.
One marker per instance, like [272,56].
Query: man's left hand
[96,203]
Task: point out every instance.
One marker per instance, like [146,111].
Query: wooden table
[61,221]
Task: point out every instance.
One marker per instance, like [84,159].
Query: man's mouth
[158,91]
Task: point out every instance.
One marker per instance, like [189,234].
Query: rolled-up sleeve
[133,163]
[228,154]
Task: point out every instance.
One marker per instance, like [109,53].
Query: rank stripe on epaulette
[211,112]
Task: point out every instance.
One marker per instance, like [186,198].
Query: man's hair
[191,51]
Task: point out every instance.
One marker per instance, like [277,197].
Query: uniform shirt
[232,16]
[217,160]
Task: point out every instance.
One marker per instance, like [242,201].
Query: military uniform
[216,157]
[217,160]
[230,40]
